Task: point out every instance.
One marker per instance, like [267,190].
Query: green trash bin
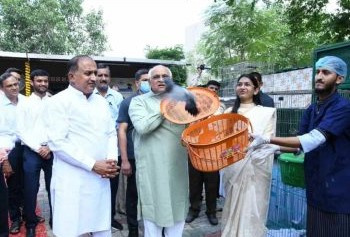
[292,169]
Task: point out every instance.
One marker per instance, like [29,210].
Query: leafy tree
[314,16]
[171,53]
[50,27]
[245,32]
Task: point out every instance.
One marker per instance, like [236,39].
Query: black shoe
[191,216]
[40,219]
[30,232]
[133,232]
[116,225]
[219,209]
[15,227]
[212,219]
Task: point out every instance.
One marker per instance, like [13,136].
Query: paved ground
[287,214]
[198,228]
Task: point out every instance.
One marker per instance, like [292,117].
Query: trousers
[32,165]
[196,181]
[15,183]
[4,227]
[114,189]
[131,198]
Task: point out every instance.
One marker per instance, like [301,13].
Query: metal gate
[287,210]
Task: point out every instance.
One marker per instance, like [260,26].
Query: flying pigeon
[179,93]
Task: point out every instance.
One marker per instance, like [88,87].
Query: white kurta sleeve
[112,152]
[57,124]
[145,117]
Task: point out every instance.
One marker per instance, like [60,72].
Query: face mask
[144,87]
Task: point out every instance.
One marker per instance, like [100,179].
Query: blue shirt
[114,98]
[327,168]
[125,118]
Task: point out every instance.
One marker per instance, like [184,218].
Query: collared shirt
[327,167]
[114,99]
[30,125]
[125,118]
[8,135]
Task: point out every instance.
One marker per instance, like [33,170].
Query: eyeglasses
[158,76]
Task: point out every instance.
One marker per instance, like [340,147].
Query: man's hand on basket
[257,140]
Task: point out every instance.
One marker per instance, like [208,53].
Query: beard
[103,88]
[327,90]
[40,90]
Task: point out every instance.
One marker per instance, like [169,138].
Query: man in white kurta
[82,136]
[161,162]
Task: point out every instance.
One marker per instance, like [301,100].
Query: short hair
[139,73]
[38,73]
[73,63]
[13,69]
[4,76]
[257,76]
[213,82]
[103,66]
[159,65]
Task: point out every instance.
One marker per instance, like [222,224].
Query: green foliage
[243,32]
[50,27]
[172,53]
[279,33]
[175,53]
[315,16]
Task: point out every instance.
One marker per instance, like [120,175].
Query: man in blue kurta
[325,139]
[161,162]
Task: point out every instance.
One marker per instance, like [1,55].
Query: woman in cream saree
[247,182]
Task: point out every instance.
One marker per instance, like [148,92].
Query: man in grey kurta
[161,162]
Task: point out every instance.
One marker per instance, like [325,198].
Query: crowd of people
[86,136]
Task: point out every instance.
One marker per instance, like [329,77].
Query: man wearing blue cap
[325,140]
